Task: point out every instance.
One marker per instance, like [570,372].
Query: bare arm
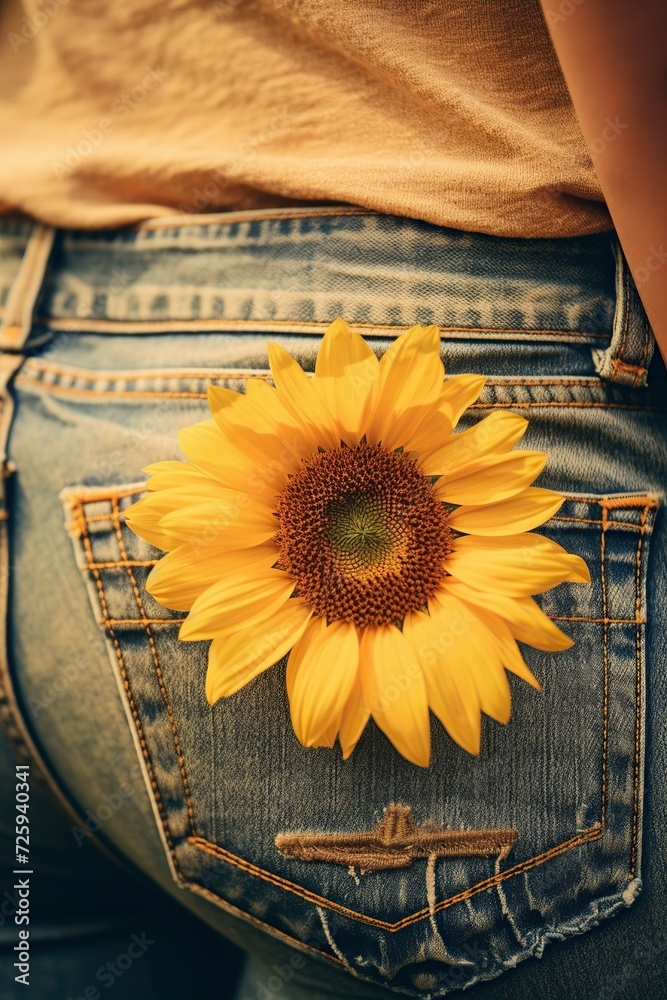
[614,58]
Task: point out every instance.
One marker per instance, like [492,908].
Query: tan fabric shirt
[453,111]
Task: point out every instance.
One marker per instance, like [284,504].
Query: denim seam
[268,928]
[610,524]
[607,406]
[638,697]
[593,833]
[157,394]
[85,538]
[38,367]
[34,374]
[595,621]
[90,325]
[156,662]
[605,668]
[65,390]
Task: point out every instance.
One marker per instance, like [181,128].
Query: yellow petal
[394,690]
[177,475]
[182,575]
[231,409]
[345,372]
[268,399]
[410,378]
[298,394]
[476,653]
[201,510]
[272,445]
[527,622]
[510,654]
[329,734]
[456,395]
[355,717]
[460,454]
[183,487]
[450,689]
[230,523]
[144,518]
[497,478]
[342,351]
[247,596]
[321,671]
[211,452]
[235,660]
[187,490]
[522,512]
[460,392]
[517,565]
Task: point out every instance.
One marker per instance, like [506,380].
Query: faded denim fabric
[130,328]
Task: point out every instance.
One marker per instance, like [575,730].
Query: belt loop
[629,354]
[25,290]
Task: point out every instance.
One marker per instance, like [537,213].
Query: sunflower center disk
[363,535]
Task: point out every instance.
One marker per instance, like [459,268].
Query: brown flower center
[363,534]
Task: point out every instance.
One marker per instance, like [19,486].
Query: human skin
[614,59]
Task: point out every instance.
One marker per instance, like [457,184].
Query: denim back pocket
[425,879]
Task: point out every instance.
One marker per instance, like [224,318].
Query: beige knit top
[453,111]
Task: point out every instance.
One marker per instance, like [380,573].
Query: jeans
[110,341]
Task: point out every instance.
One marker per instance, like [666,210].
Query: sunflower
[337,518]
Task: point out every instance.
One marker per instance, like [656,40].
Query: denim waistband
[296,270]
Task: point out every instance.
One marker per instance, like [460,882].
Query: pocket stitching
[638,695]
[76,505]
[115,513]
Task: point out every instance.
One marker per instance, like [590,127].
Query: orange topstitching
[223,323]
[638,701]
[128,690]
[22,380]
[605,662]
[38,365]
[156,663]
